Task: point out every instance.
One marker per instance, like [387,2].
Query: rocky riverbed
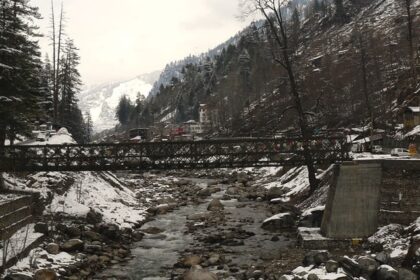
[206,225]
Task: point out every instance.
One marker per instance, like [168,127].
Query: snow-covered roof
[414,109]
[415,131]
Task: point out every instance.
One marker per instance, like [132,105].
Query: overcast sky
[120,39]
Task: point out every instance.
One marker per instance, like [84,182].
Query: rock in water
[215,205]
[279,221]
[197,273]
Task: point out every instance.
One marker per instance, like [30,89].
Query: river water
[155,255]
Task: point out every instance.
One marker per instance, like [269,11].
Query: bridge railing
[171,155]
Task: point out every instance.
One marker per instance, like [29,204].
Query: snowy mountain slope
[102,100]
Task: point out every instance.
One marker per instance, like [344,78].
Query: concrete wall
[353,201]
[400,192]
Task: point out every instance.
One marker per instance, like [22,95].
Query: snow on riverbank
[114,201]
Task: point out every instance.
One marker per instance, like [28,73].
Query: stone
[386,272]
[351,266]
[93,217]
[163,209]
[138,235]
[316,257]
[382,258]
[198,217]
[204,192]
[413,254]
[274,192]
[214,259]
[153,230]
[73,232]
[313,277]
[190,261]
[279,222]
[41,228]
[405,274]
[368,265]
[72,245]
[197,273]
[92,248]
[215,205]
[45,274]
[91,235]
[331,266]
[110,231]
[53,248]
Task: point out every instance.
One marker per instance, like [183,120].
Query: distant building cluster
[189,130]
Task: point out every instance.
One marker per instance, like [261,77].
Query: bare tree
[56,44]
[282,55]
[408,7]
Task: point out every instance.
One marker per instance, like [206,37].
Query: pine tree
[20,68]
[88,127]
[123,110]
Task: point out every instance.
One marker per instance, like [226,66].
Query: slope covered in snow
[101,101]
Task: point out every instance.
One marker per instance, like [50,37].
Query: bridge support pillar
[353,201]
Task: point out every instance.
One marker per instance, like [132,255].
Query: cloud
[122,39]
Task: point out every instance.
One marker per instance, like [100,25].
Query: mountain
[352,65]
[102,100]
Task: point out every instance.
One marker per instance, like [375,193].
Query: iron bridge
[223,153]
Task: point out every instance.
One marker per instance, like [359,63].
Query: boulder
[93,217]
[215,205]
[316,257]
[41,228]
[45,274]
[198,216]
[386,272]
[72,245]
[279,221]
[73,232]
[197,273]
[91,235]
[313,277]
[368,265]
[413,254]
[331,266]
[110,231]
[53,248]
[405,274]
[382,257]
[153,230]
[163,209]
[275,192]
[204,192]
[350,266]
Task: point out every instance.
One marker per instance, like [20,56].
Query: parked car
[376,149]
[399,152]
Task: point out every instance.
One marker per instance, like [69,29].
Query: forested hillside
[354,63]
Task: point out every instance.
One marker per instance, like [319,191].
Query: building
[193,127]
[411,117]
[204,114]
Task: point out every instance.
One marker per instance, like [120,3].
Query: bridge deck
[252,152]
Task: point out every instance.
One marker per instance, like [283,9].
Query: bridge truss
[223,153]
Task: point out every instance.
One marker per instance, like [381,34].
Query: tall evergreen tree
[123,110]
[20,67]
